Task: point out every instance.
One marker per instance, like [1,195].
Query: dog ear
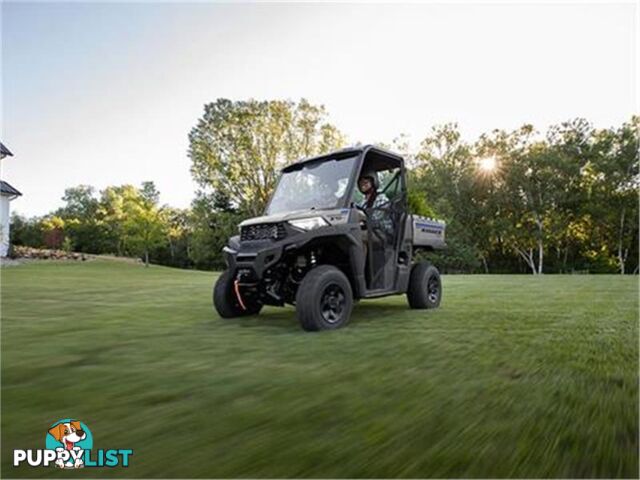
[76,424]
[57,431]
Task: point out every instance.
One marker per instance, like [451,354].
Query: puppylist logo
[69,444]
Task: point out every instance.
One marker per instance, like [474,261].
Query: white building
[7,193]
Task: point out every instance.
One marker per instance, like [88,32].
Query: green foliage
[145,224]
[53,231]
[82,223]
[238,147]
[563,201]
[67,245]
[459,257]
[418,204]
[213,222]
[178,229]
[26,231]
[80,202]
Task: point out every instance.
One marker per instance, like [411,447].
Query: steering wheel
[362,209]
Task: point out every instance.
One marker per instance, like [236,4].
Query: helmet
[372,175]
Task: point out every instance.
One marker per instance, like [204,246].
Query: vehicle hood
[330,215]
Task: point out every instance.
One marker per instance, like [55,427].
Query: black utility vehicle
[319,247]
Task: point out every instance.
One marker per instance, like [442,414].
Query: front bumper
[255,256]
[260,255]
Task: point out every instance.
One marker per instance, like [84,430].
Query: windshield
[321,184]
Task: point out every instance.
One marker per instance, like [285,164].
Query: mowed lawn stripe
[513,376]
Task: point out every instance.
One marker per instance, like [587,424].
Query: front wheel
[324,299]
[425,287]
[226,301]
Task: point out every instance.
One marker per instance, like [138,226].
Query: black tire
[425,286]
[225,301]
[324,300]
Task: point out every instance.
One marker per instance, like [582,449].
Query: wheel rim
[332,303]
[433,289]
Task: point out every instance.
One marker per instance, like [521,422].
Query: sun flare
[487,164]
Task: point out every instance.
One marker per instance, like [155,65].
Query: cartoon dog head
[68,433]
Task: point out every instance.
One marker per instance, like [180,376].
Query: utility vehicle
[320,248]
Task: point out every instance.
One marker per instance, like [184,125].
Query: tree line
[560,201]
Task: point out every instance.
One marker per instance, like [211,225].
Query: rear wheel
[226,301]
[324,300]
[425,287]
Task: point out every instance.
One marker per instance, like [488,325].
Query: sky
[106,93]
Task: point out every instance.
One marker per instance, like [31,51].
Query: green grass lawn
[513,376]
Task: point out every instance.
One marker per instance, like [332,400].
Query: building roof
[6,189]
[4,151]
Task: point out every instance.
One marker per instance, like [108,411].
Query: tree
[112,213]
[612,179]
[537,188]
[212,221]
[563,201]
[178,231]
[82,225]
[26,231]
[445,172]
[53,228]
[238,147]
[144,227]
[149,193]
[80,202]
[132,218]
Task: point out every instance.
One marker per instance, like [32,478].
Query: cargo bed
[427,233]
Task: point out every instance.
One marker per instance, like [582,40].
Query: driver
[368,186]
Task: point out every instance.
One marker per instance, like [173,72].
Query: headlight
[309,223]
